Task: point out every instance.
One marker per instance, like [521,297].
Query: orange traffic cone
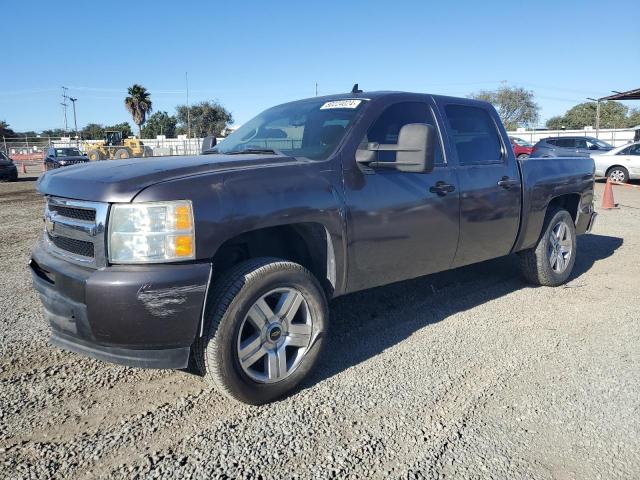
[24,169]
[607,197]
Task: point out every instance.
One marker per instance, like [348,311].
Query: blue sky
[251,55]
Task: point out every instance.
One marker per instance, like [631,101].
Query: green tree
[207,118]
[633,120]
[138,103]
[5,131]
[612,115]
[516,106]
[123,127]
[93,131]
[55,132]
[160,123]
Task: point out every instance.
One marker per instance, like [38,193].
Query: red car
[521,148]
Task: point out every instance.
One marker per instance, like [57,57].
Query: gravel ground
[466,374]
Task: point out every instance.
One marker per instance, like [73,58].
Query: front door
[489,181]
[400,225]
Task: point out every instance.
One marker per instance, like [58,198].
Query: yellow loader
[115,146]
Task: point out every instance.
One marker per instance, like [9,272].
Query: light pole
[75,122]
[597,114]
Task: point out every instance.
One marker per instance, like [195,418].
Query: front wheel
[551,261]
[523,156]
[267,319]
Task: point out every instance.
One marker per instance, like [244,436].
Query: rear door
[489,179]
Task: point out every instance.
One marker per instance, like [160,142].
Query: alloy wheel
[275,335]
[560,247]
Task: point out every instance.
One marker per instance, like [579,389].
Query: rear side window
[566,143]
[386,128]
[475,135]
[551,141]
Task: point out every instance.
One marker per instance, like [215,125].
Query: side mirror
[414,151]
[208,143]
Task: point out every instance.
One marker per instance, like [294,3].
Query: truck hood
[122,180]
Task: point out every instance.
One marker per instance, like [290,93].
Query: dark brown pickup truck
[226,261]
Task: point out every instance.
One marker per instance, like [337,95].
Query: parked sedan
[569,147]
[8,170]
[620,164]
[61,157]
[521,148]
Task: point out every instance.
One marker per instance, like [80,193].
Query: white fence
[615,137]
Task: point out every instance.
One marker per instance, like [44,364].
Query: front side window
[624,151]
[386,128]
[310,129]
[581,143]
[599,143]
[475,136]
[634,149]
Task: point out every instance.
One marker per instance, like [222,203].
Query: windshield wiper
[270,151]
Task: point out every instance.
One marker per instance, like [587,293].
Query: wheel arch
[306,243]
[568,201]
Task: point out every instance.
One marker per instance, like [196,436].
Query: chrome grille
[77,213]
[77,247]
[75,230]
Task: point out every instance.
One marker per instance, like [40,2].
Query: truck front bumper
[141,316]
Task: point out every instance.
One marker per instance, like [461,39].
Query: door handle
[442,188]
[506,183]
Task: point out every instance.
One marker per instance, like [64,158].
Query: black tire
[535,262]
[94,155]
[618,173]
[216,353]
[122,153]
[523,156]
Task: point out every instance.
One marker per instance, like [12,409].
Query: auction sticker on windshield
[341,104]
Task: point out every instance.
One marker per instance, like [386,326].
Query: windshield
[310,129]
[68,152]
[521,142]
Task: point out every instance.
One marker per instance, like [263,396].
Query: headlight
[153,232]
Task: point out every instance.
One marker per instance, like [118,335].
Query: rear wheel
[551,261]
[121,154]
[618,174]
[264,332]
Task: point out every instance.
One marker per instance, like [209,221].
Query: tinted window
[634,150]
[581,143]
[566,143]
[387,127]
[552,141]
[474,135]
[624,151]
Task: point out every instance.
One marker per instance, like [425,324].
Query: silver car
[620,164]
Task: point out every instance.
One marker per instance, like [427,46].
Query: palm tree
[139,105]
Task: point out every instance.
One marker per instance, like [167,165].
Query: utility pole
[186,77]
[316,89]
[75,122]
[597,114]
[64,106]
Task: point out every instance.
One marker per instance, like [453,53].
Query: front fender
[229,203]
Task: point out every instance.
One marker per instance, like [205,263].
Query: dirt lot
[467,374]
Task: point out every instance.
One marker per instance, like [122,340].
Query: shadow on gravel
[363,324]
